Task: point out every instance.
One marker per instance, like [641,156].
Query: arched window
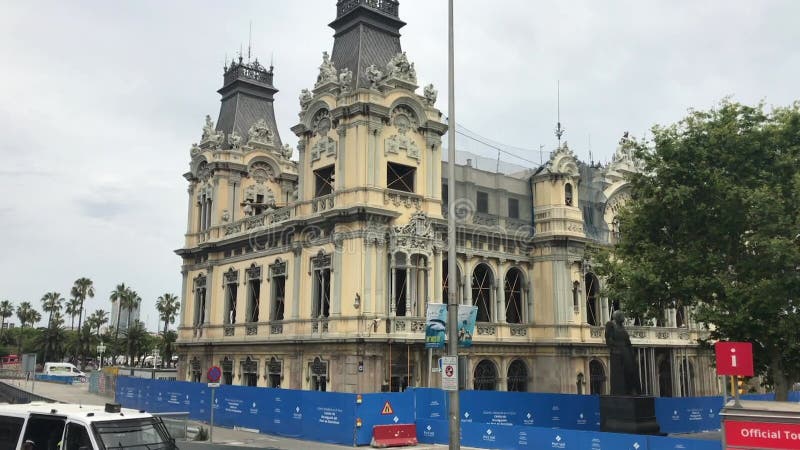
[485,376]
[513,294]
[249,372]
[592,291]
[482,282]
[318,375]
[275,371]
[568,194]
[597,378]
[195,367]
[517,376]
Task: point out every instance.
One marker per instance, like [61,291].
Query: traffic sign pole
[211,425]
[214,373]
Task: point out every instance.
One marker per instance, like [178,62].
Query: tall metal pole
[452,272]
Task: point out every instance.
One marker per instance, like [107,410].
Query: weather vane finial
[559,130]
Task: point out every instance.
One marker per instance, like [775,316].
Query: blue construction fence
[488,418]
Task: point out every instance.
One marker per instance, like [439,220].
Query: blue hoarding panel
[688,414]
[286,418]
[430,404]
[383,409]
[328,417]
[669,443]
[432,431]
[484,435]
[595,440]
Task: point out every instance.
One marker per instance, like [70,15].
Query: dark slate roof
[366,33]
[247,96]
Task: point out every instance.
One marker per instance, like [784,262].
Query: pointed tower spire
[366,32]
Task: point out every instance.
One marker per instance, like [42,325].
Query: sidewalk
[79,393]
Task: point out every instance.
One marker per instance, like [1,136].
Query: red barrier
[394,435]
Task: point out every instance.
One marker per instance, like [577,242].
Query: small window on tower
[483,202]
[568,194]
[400,177]
[323,181]
[513,208]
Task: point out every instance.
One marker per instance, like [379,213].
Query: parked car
[61,369]
[42,426]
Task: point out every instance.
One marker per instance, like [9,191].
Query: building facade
[125,316]
[316,273]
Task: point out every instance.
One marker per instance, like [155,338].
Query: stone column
[233,182]
[500,302]
[336,300]
[341,166]
[437,275]
[301,167]
[392,285]
[381,275]
[369,270]
[184,298]
[297,252]
[189,228]
[209,294]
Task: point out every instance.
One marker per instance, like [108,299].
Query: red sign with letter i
[734,358]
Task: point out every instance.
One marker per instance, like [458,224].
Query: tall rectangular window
[231,294]
[323,181]
[513,208]
[199,300]
[226,364]
[249,369]
[321,286]
[278,274]
[253,293]
[400,177]
[483,202]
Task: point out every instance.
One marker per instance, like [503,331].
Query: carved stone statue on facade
[624,373]
[287,151]
[234,140]
[345,79]
[196,150]
[430,94]
[260,133]
[208,128]
[399,67]
[305,98]
[374,75]
[327,71]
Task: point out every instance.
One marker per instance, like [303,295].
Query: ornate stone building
[316,274]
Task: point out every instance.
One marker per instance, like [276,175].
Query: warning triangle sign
[387,409]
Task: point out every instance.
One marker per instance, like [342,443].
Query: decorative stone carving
[259,133]
[398,67]
[234,140]
[261,172]
[253,191]
[321,123]
[404,119]
[226,215]
[204,172]
[305,99]
[563,161]
[325,146]
[345,80]
[196,150]
[374,76]
[211,138]
[394,144]
[287,151]
[327,71]
[430,94]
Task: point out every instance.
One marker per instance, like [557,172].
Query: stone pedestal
[628,414]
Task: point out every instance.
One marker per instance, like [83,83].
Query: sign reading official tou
[761,435]
[734,358]
[450,373]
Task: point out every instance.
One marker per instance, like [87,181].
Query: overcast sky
[100,102]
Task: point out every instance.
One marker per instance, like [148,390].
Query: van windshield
[139,434]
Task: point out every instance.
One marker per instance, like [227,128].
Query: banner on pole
[436,325]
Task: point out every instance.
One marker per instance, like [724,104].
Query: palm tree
[168,306]
[137,337]
[51,303]
[72,309]
[118,295]
[82,289]
[97,320]
[27,315]
[6,311]
[132,301]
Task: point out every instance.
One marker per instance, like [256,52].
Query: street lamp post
[101,349]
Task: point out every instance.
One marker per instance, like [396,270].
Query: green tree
[72,309]
[168,307]
[166,346]
[97,320]
[6,311]
[131,302]
[117,296]
[139,341]
[82,289]
[51,304]
[27,315]
[713,225]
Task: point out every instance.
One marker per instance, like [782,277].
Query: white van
[50,426]
[59,369]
